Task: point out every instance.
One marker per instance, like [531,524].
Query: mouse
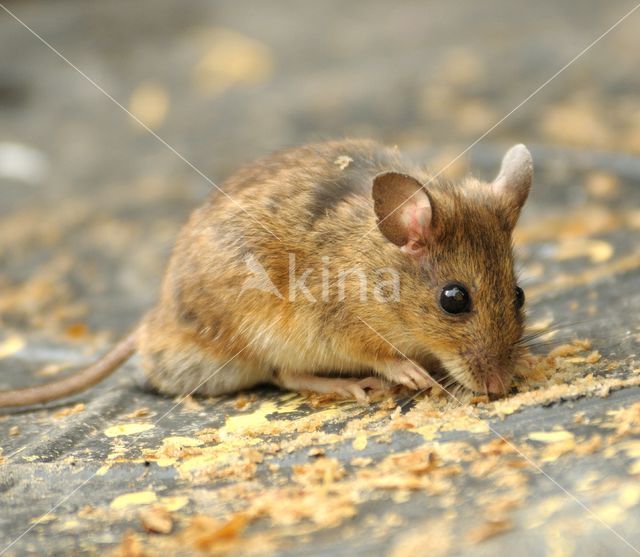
[334,267]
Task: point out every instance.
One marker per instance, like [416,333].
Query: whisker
[549,330]
[544,343]
[412,398]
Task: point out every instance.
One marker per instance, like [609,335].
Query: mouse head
[455,240]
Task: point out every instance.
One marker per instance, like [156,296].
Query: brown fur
[209,335]
[319,210]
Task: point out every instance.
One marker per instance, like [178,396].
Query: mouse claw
[407,373]
[346,388]
[356,391]
[373,384]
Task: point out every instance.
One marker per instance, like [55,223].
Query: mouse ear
[404,211]
[514,180]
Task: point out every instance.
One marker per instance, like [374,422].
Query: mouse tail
[77,382]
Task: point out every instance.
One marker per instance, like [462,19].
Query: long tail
[77,382]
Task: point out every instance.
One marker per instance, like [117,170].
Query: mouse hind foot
[347,388]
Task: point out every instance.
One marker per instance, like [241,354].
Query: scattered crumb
[488,529]
[602,185]
[133,499]
[85,511]
[50,370]
[133,428]
[555,436]
[70,410]
[77,331]
[593,358]
[589,446]
[189,404]
[322,470]
[206,533]
[320,492]
[434,539]
[156,519]
[579,418]
[130,546]
[243,400]
[360,442]
[11,345]
[139,413]
[570,349]
[343,161]
[209,435]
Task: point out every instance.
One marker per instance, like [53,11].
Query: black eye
[519,297]
[454,299]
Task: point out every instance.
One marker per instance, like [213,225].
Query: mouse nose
[495,384]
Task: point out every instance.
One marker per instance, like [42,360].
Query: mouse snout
[486,374]
[496,383]
[495,377]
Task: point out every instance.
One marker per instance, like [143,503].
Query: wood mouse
[327,268]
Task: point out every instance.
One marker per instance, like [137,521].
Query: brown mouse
[338,258]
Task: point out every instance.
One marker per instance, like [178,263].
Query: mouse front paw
[407,373]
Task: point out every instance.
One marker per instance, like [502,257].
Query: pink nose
[496,384]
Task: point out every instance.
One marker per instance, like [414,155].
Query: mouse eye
[455,299]
[519,297]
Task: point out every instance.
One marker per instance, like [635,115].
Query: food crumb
[343,161]
[130,546]
[570,349]
[206,533]
[209,435]
[242,401]
[70,410]
[602,184]
[77,330]
[156,519]
[360,442]
[361,461]
[593,358]
[139,413]
[489,529]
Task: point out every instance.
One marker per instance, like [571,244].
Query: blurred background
[90,202]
